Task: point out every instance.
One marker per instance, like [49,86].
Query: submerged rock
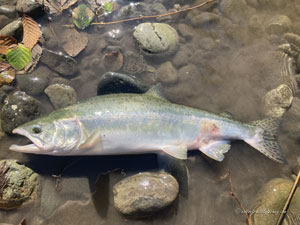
[145,193]
[270,201]
[18,184]
[278,100]
[278,25]
[112,82]
[12,28]
[237,11]
[167,74]
[61,95]
[34,83]
[18,109]
[27,6]
[134,63]
[60,63]
[156,39]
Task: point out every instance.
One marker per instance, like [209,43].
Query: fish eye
[36,130]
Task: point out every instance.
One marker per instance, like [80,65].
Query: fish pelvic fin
[216,149]
[265,138]
[177,151]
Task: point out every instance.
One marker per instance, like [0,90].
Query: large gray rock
[8,10]
[145,193]
[270,201]
[27,6]
[34,83]
[19,183]
[18,109]
[61,95]
[59,62]
[156,39]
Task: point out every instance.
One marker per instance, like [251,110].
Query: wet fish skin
[143,123]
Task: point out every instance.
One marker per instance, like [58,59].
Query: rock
[237,11]
[270,201]
[9,11]
[145,193]
[18,109]
[34,83]
[20,184]
[272,4]
[113,36]
[8,2]
[4,91]
[207,44]
[278,25]
[255,25]
[112,82]
[60,63]
[203,19]
[167,74]
[27,6]
[185,31]
[12,29]
[2,134]
[188,72]
[298,63]
[134,63]
[181,58]
[61,95]
[278,100]
[156,39]
[113,60]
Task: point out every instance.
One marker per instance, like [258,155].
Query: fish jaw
[36,147]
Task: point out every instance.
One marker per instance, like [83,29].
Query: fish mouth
[36,146]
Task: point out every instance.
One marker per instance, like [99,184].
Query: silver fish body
[142,123]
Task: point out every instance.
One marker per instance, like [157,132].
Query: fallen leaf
[56,6]
[36,55]
[74,42]
[31,32]
[5,42]
[7,77]
[113,61]
[4,66]
[18,56]
[82,16]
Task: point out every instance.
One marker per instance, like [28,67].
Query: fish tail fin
[265,138]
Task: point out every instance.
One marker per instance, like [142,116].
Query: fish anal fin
[177,151]
[216,149]
[92,141]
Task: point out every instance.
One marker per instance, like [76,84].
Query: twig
[235,198]
[288,201]
[155,16]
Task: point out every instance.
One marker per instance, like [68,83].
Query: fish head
[53,137]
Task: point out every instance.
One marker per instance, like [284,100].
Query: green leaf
[19,56]
[82,16]
[108,7]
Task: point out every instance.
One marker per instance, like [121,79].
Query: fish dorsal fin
[226,114]
[156,91]
[177,151]
[216,149]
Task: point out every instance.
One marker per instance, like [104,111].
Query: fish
[128,123]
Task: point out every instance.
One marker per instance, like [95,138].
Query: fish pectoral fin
[177,151]
[216,149]
[92,141]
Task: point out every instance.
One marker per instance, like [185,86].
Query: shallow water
[233,75]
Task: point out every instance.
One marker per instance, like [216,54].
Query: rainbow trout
[143,123]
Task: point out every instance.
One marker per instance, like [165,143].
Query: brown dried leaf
[31,30]
[7,77]
[36,55]
[7,40]
[56,6]
[113,61]
[73,41]
[4,66]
